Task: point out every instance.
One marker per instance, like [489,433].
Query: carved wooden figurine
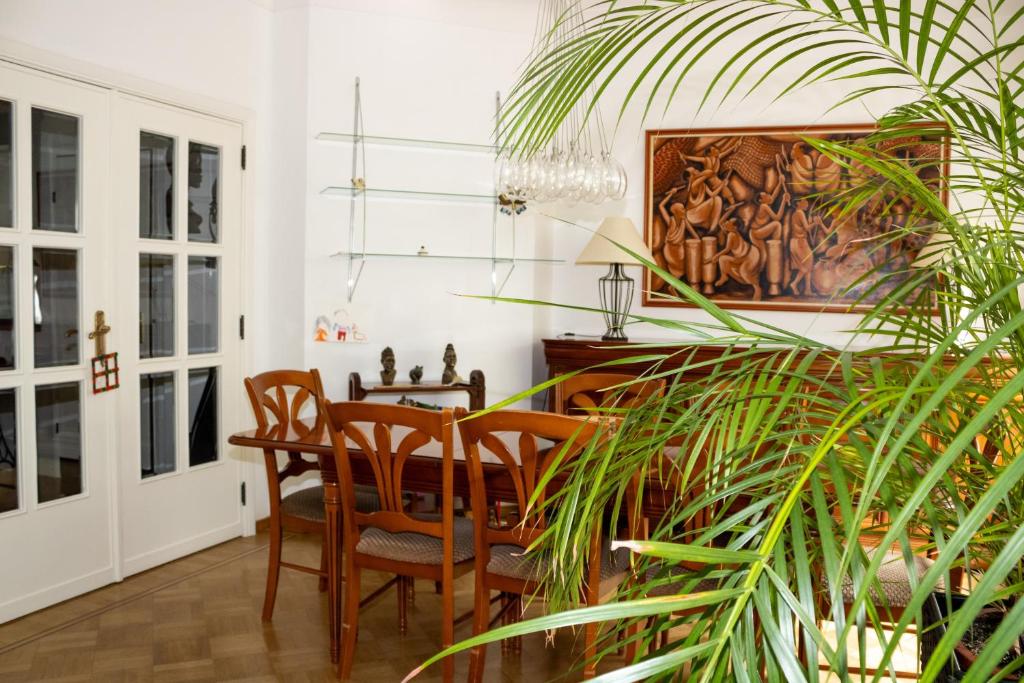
[416,374]
[387,359]
[449,376]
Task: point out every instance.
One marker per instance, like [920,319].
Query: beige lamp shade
[602,248]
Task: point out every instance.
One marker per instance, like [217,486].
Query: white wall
[278,286]
[206,47]
[428,70]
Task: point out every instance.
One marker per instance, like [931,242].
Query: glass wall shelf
[354,250]
[408,195]
[442,257]
[447,145]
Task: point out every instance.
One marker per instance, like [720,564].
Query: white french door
[56,537]
[118,204]
[178,233]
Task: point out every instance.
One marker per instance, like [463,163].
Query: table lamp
[616,288]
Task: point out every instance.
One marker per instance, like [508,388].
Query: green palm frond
[790,456]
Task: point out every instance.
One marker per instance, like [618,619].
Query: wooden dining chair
[894,583]
[284,395]
[693,471]
[589,392]
[528,444]
[393,540]
[662,578]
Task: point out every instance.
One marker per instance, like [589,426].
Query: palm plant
[790,455]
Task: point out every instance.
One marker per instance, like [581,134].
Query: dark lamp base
[616,289]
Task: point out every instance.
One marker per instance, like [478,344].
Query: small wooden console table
[476,388]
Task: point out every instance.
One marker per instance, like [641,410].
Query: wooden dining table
[421,474]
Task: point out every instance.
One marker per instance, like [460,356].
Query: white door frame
[115,81]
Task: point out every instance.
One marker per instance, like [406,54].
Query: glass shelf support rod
[358,160]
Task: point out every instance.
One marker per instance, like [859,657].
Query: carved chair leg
[590,650]
[323,561]
[448,622]
[626,639]
[517,616]
[276,531]
[334,567]
[273,567]
[403,604]
[590,631]
[504,621]
[350,621]
[481,620]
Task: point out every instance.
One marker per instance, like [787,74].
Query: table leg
[332,510]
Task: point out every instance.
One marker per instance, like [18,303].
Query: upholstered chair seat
[417,548]
[308,503]
[669,587]
[514,562]
[893,579]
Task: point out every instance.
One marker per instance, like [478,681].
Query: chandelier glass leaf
[577,164]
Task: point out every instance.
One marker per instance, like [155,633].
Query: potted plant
[972,642]
[922,428]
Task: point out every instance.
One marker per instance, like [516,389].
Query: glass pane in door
[6,164]
[202,410]
[156,186]
[156,305]
[157,421]
[203,304]
[203,178]
[8,452]
[7,345]
[58,441]
[55,306]
[54,171]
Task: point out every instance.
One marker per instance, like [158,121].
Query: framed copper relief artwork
[747,216]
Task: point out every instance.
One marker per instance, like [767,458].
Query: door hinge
[243,493]
[241,327]
[243,157]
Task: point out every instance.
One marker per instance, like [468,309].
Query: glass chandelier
[577,165]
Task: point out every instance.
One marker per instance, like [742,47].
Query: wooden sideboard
[567,353]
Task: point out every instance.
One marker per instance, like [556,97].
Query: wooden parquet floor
[198,619]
